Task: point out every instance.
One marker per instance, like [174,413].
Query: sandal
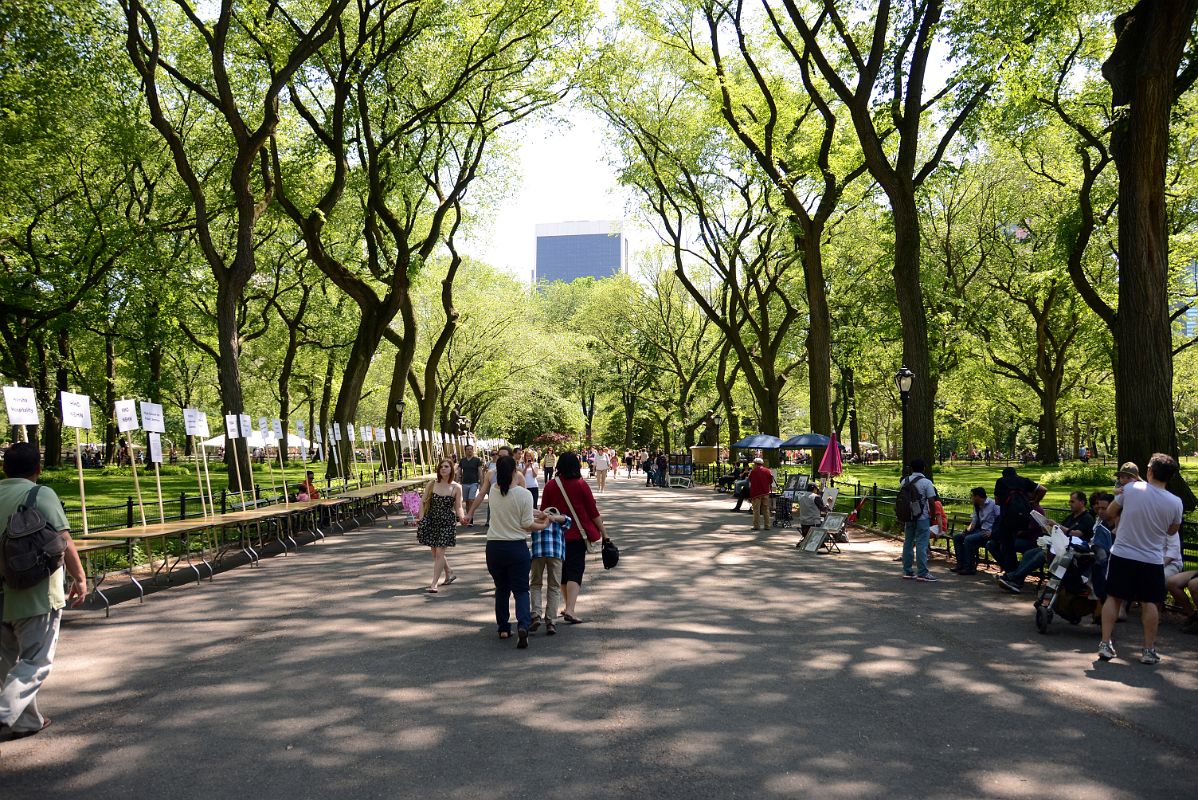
[570,618]
[451,580]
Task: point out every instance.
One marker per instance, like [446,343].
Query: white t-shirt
[601,461]
[510,514]
[530,479]
[1148,514]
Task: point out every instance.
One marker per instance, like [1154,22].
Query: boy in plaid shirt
[548,550]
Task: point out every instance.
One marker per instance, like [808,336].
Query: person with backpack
[33,597]
[1016,497]
[913,508]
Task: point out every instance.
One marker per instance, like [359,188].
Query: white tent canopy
[255,440]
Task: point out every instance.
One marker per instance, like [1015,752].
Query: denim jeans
[967,546]
[1031,561]
[1008,556]
[509,563]
[915,546]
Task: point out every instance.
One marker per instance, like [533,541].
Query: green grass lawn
[110,487]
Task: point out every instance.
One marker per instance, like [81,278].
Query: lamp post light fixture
[904,379]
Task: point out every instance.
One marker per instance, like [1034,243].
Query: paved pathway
[715,662]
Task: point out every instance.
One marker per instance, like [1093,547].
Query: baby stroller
[1067,592]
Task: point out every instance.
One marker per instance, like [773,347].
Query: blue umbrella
[759,441]
[805,440]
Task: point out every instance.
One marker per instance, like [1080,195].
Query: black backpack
[30,549]
[909,503]
[1017,511]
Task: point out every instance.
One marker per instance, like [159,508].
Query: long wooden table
[353,504]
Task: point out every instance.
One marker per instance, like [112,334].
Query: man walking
[761,480]
[469,470]
[31,617]
[917,532]
[1148,516]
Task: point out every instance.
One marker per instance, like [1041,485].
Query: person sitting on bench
[981,526]
[728,481]
[1079,523]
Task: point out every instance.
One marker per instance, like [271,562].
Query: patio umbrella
[759,441]
[831,464]
[806,441]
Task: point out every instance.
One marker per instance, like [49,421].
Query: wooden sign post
[368,443]
[232,434]
[264,432]
[247,431]
[191,426]
[380,436]
[77,414]
[353,450]
[126,423]
[154,424]
[277,429]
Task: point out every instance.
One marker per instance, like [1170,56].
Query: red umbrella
[830,464]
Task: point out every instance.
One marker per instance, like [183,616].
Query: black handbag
[611,554]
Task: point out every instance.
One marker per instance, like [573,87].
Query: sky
[561,175]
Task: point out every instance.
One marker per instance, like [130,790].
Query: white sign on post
[155,441]
[76,410]
[337,431]
[247,424]
[350,427]
[152,419]
[201,424]
[380,434]
[231,431]
[21,403]
[367,433]
[126,416]
[191,423]
[264,428]
[276,427]
[315,435]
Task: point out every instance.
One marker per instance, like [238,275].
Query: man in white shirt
[1148,517]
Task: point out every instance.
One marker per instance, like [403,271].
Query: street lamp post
[717,419]
[903,380]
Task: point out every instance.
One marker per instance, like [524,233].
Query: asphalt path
[714,662]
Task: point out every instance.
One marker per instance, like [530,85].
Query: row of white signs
[76,413]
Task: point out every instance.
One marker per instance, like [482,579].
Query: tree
[1149,70]
[215,119]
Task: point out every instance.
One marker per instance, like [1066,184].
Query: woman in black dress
[436,525]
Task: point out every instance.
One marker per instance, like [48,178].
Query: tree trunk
[326,399]
[1142,72]
[111,452]
[919,434]
[229,374]
[819,335]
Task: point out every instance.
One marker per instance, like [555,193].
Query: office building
[570,250]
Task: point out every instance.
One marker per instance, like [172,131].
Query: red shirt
[584,504]
[761,480]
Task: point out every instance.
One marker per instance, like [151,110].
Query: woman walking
[570,494]
[602,463]
[529,470]
[508,557]
[436,524]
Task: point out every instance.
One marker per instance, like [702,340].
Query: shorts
[469,491]
[1172,569]
[575,562]
[1128,579]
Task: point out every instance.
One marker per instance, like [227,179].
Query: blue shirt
[983,518]
[551,542]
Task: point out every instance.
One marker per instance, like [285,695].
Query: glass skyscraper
[570,250]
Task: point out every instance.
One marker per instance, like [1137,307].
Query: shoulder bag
[592,547]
